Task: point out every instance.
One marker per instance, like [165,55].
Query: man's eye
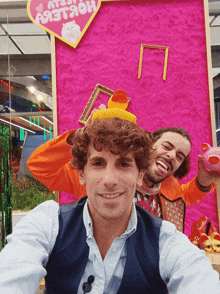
[97,163]
[166,147]
[124,164]
[180,157]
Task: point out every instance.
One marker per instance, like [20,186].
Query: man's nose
[110,176]
[171,154]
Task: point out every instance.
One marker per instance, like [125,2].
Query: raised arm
[189,192]
[50,165]
[201,185]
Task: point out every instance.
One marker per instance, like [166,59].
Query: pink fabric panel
[108,54]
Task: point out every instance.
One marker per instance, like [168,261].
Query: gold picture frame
[153,47]
[87,110]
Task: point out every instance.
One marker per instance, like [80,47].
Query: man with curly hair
[104,243]
[161,193]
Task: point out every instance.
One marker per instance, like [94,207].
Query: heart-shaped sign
[67,20]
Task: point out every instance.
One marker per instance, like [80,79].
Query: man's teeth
[111,196]
[162,164]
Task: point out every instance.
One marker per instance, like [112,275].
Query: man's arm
[193,191]
[201,185]
[50,165]
[28,248]
[189,192]
[183,267]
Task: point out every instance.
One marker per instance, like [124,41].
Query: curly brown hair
[183,170]
[117,135]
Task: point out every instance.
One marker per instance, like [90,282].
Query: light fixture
[47,119]
[34,124]
[17,126]
[40,98]
[31,89]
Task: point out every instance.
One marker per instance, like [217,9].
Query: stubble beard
[150,178]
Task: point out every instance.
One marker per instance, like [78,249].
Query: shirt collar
[131,228]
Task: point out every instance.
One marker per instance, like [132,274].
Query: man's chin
[156,179]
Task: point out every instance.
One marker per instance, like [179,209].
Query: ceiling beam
[13,12]
[28,82]
[41,127]
[12,123]
[13,3]
[23,114]
[214,7]
[215,57]
[27,65]
[216,83]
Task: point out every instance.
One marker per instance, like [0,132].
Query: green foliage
[28,193]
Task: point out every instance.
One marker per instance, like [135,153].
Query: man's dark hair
[183,170]
[114,134]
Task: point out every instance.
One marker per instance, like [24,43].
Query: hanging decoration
[45,135]
[21,134]
[5,183]
[50,132]
[67,20]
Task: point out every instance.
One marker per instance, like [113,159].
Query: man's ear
[140,178]
[81,177]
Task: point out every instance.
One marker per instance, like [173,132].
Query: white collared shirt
[108,273]
[183,267]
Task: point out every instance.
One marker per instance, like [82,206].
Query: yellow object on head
[116,108]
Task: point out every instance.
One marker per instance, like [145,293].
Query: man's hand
[204,177]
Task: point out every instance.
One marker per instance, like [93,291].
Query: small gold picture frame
[153,47]
[87,110]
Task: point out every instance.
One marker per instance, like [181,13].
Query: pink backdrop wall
[108,54]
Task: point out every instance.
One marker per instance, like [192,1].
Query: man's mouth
[163,167]
[110,196]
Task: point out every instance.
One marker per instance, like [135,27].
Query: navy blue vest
[69,256]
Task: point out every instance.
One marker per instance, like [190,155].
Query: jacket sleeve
[189,192]
[49,164]
[28,250]
[192,194]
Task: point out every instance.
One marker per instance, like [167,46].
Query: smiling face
[170,150]
[110,184]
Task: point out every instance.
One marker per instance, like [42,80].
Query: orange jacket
[49,164]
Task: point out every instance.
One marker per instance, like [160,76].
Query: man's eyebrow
[171,145]
[95,158]
[125,158]
[168,142]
